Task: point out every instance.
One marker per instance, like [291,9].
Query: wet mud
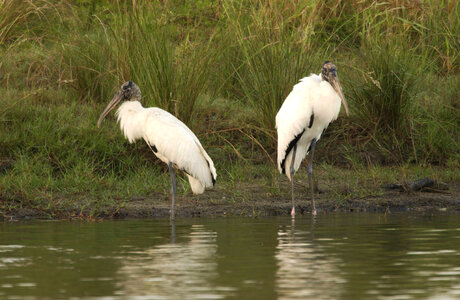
[254,203]
[279,206]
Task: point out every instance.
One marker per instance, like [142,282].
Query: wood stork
[305,114]
[169,139]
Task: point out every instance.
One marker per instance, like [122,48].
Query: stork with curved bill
[305,114]
[170,139]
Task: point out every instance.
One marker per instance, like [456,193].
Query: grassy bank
[224,68]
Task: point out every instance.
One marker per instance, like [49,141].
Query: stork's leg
[310,175]
[173,188]
[292,181]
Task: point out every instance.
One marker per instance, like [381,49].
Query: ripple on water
[9,262]
[9,248]
[349,258]
[445,251]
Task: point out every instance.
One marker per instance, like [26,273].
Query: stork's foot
[293,212]
[313,212]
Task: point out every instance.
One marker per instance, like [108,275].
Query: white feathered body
[170,139]
[312,102]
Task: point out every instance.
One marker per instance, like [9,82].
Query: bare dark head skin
[329,74]
[129,91]
[328,70]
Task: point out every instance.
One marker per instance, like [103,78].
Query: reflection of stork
[302,119]
[179,270]
[304,271]
[170,139]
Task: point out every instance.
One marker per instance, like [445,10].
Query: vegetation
[224,68]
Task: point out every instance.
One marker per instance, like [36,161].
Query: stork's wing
[174,142]
[295,117]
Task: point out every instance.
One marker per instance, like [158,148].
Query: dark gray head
[329,74]
[129,91]
[328,71]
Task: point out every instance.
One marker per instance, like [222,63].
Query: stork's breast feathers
[131,115]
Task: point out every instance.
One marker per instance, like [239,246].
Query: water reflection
[431,269]
[394,257]
[352,256]
[304,270]
[182,270]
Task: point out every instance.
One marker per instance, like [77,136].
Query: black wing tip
[312,119]
[294,141]
[289,148]
[283,169]
[212,176]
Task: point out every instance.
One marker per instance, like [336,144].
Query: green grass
[271,59]
[224,68]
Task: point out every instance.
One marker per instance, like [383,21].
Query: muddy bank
[390,202]
[206,205]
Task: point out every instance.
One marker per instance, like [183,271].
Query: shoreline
[206,206]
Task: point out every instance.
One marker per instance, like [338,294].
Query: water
[343,256]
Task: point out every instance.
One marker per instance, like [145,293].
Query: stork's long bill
[336,85]
[112,104]
[334,81]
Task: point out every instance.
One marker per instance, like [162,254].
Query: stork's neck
[131,117]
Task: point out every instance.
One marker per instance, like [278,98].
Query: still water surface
[340,256]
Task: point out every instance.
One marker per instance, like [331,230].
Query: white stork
[305,114]
[170,139]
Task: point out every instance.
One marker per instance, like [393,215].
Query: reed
[269,55]
[27,19]
[173,74]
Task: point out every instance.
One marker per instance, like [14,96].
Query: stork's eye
[126,92]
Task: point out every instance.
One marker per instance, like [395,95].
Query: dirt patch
[214,203]
[390,202]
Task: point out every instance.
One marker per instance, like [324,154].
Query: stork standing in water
[170,139]
[305,114]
